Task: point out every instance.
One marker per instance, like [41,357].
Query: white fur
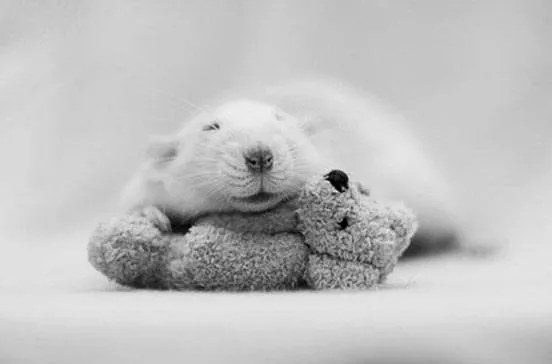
[199,171]
[355,132]
[311,127]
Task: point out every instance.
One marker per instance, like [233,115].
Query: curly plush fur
[355,241]
[332,236]
[220,252]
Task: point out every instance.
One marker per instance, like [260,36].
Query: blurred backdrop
[84,83]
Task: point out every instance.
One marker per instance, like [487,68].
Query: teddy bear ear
[162,149]
[338,179]
[362,189]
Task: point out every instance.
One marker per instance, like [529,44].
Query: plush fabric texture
[355,240]
[222,252]
[215,258]
[333,236]
[130,251]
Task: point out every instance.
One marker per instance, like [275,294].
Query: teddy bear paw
[128,250]
[324,272]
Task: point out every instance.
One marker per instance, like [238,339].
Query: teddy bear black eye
[212,126]
[338,179]
[344,224]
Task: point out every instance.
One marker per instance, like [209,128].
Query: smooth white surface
[453,309]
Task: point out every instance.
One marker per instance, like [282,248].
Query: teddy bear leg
[130,251]
[324,272]
[404,225]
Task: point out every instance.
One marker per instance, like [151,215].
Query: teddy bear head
[331,215]
[339,218]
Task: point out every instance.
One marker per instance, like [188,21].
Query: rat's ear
[314,124]
[162,149]
[308,122]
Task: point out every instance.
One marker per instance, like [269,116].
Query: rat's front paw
[155,216]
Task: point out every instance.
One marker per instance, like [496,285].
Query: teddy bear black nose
[338,179]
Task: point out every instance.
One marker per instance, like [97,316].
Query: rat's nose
[259,159]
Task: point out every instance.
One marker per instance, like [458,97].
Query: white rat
[244,155]
[252,154]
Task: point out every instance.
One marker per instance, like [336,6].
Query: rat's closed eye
[215,125]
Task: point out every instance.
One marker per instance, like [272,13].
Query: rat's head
[246,155]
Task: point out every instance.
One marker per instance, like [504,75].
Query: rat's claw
[156,217]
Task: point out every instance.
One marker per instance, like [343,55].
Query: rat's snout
[259,159]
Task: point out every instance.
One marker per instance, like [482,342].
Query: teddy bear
[333,235]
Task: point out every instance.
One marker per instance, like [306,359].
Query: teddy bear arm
[130,251]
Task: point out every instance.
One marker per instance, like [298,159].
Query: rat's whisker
[182,100]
